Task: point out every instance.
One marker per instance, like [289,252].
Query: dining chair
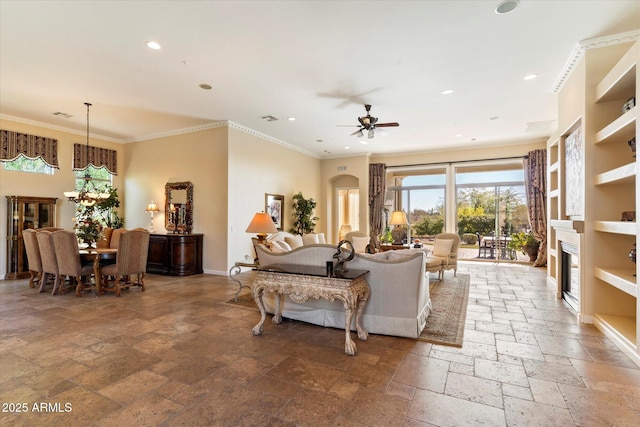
[49,262]
[67,252]
[33,256]
[131,262]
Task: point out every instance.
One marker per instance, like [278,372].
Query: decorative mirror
[178,207]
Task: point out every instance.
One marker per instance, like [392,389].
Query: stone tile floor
[174,356]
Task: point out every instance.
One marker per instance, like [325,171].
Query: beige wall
[256,167]
[38,185]
[199,157]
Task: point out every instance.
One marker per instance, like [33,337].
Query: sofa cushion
[294,241]
[442,247]
[434,262]
[379,255]
[310,239]
[360,244]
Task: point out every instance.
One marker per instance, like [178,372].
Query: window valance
[13,144]
[84,156]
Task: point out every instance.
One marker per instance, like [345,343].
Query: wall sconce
[151,208]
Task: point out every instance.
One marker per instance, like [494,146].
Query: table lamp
[261,224]
[151,208]
[399,219]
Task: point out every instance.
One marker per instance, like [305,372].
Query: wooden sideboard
[175,254]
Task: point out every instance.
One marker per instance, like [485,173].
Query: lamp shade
[398,218]
[261,224]
[152,207]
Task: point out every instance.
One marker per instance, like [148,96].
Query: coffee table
[302,282]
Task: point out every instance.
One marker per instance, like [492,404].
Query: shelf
[623,174]
[621,80]
[618,278]
[554,167]
[554,193]
[617,227]
[621,129]
[621,329]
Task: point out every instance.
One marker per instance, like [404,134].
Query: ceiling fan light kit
[370,124]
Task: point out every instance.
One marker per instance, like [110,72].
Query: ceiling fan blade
[348,126]
[387,125]
[356,132]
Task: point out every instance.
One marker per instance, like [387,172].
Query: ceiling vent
[270,118]
[65,115]
[539,126]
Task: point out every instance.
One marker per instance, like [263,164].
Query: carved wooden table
[302,282]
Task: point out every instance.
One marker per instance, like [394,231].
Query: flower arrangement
[87,229]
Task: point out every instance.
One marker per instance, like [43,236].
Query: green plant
[522,241]
[304,221]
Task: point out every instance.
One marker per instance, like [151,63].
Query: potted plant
[525,243]
[304,221]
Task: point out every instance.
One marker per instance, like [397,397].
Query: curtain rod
[461,161]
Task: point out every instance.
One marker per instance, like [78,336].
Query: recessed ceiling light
[153,45]
[447,92]
[530,76]
[507,6]
[458,135]
[347,147]
[363,142]
[291,119]
[205,86]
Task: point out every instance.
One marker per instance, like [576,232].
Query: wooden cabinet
[175,254]
[22,213]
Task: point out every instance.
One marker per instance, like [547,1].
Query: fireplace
[570,275]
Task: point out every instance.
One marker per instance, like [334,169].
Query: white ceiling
[317,61]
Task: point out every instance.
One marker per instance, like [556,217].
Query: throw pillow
[294,241]
[442,247]
[309,239]
[321,239]
[283,246]
[360,244]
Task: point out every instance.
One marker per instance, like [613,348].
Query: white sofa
[399,303]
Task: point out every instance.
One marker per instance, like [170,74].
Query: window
[25,164]
[100,177]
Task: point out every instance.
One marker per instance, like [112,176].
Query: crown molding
[271,139]
[583,46]
[174,132]
[59,128]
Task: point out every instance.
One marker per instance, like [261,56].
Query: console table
[302,282]
[175,254]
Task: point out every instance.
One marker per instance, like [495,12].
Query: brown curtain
[535,181]
[84,156]
[377,188]
[14,144]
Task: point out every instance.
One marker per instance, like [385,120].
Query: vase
[632,254]
[89,243]
[532,251]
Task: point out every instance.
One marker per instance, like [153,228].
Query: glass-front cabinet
[22,213]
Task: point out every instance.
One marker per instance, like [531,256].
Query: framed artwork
[274,206]
[574,166]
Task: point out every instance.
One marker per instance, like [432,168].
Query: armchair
[445,247]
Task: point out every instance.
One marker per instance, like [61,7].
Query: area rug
[445,324]
[449,298]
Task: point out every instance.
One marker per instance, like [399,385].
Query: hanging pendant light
[88,194]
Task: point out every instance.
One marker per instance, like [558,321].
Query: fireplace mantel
[568,225]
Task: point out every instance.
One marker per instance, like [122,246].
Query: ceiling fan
[369,123]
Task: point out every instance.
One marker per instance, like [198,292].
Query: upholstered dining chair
[131,262]
[33,256]
[65,244]
[445,247]
[49,262]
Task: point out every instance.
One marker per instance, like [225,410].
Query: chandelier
[88,195]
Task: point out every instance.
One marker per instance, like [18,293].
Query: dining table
[96,256]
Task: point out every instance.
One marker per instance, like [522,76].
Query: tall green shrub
[304,221]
